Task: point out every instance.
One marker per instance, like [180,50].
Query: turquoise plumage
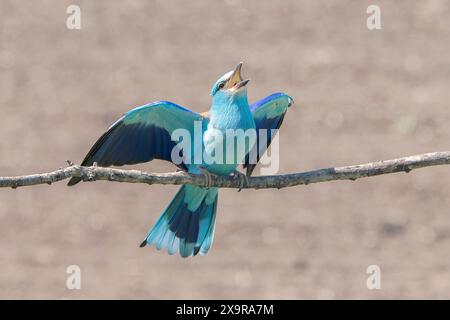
[145,133]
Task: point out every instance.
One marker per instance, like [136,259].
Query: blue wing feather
[140,135]
[268,113]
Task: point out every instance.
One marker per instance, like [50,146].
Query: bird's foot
[208,176]
[243,179]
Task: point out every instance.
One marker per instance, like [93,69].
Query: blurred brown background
[360,96]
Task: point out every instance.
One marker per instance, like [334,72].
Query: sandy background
[360,96]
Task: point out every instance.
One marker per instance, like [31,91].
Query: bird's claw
[243,179]
[208,176]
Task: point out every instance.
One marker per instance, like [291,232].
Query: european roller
[147,132]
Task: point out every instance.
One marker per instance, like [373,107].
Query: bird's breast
[227,141]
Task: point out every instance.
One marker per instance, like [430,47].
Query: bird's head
[230,86]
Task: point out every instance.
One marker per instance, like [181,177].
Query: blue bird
[145,133]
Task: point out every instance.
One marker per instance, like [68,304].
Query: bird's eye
[221,85]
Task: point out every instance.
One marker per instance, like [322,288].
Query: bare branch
[93,173]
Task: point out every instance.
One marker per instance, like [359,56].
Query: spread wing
[268,114]
[141,135]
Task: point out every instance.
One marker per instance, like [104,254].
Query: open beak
[235,82]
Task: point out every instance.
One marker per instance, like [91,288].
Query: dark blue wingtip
[74,181]
[143,244]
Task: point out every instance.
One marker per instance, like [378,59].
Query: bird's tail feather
[187,224]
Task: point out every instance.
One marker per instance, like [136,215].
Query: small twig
[94,173]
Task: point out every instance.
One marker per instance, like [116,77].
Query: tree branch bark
[353,172]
